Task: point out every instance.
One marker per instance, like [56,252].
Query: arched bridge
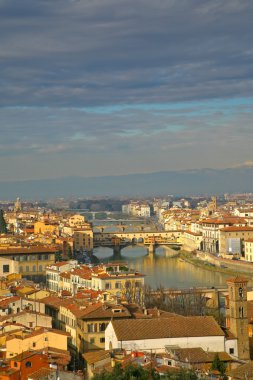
[150,239]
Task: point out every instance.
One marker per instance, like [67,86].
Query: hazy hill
[202,181]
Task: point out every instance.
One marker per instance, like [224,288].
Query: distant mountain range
[184,182]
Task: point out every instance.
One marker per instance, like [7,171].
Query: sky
[112,87]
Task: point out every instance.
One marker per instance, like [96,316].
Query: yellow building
[248,244]
[77,220]
[38,294]
[45,227]
[211,228]
[7,266]
[37,340]
[118,279]
[92,324]
[83,240]
[232,240]
[28,318]
[32,260]
[192,241]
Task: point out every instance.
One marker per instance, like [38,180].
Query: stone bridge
[150,239]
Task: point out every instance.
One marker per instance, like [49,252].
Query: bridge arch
[134,240]
[140,240]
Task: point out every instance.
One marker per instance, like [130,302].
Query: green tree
[3,227]
[182,374]
[130,372]
[218,365]
[69,253]
[136,372]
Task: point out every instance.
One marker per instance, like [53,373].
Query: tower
[17,205]
[214,203]
[238,319]
[212,206]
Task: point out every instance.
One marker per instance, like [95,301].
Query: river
[162,269]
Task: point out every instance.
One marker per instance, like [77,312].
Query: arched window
[34,268]
[102,327]
[28,364]
[40,268]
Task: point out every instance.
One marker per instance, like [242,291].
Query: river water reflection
[162,269]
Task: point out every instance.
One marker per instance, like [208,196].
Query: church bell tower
[238,319]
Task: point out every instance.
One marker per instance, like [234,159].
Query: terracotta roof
[198,355]
[138,312]
[228,334]
[4,303]
[100,310]
[96,356]
[66,293]
[22,312]
[224,221]
[77,311]
[236,228]
[26,355]
[39,331]
[192,233]
[243,372]
[56,302]
[41,373]
[60,264]
[173,327]
[27,250]
[237,280]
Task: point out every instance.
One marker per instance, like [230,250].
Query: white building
[159,334]
[8,266]
[53,273]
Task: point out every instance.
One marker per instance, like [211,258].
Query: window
[34,268]
[92,340]
[102,340]
[231,351]
[28,364]
[15,364]
[102,327]
[34,344]
[117,285]
[6,268]
[107,285]
[27,268]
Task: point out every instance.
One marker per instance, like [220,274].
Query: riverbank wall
[235,265]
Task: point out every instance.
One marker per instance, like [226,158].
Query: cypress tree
[3,227]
